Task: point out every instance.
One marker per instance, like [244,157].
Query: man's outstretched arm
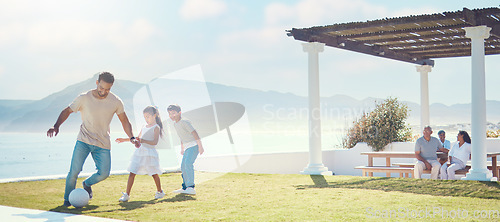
[127,127]
[53,131]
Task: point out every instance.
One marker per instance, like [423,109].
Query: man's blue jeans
[187,167]
[102,159]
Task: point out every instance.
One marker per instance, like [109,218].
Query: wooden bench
[387,156]
[411,165]
[403,171]
[464,171]
[388,168]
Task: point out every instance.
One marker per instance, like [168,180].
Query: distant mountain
[337,109]
[5,103]
[458,113]
[261,107]
[39,115]
[8,109]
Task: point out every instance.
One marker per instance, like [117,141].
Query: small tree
[384,125]
[493,133]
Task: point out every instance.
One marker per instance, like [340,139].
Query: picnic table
[406,169]
[494,162]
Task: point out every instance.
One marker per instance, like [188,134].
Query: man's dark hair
[174,107]
[106,77]
[441,132]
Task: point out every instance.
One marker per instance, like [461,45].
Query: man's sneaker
[178,191]
[189,190]
[67,203]
[125,197]
[88,189]
[159,195]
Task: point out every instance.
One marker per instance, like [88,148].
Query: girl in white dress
[145,159]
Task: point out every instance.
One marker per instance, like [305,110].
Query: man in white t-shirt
[97,108]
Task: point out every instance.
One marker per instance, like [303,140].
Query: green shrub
[493,133]
[384,125]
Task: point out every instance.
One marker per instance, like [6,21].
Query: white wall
[281,163]
[341,162]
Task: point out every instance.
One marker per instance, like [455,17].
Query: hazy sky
[48,45]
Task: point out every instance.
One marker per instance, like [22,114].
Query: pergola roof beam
[409,39]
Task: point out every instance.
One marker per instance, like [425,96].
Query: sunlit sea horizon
[34,154]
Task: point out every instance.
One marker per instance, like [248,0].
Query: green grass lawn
[267,197]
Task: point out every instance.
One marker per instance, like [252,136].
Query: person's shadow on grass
[178,198]
[132,205]
[126,206]
[74,210]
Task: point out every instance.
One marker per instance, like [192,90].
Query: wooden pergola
[417,40]
[413,39]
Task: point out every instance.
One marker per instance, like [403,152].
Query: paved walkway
[20,214]
[9,214]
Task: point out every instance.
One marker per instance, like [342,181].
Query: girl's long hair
[465,135]
[153,110]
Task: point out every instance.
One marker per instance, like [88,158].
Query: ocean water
[34,154]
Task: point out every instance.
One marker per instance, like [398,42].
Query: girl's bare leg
[157,182]
[131,178]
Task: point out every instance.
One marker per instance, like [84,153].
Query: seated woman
[458,156]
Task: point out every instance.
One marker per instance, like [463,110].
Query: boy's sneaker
[125,197]
[189,190]
[178,191]
[67,203]
[88,189]
[159,195]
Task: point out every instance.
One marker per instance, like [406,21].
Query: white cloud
[69,35]
[270,40]
[11,32]
[129,37]
[308,13]
[254,38]
[415,11]
[322,12]
[61,26]
[268,46]
[280,17]
[279,12]
[201,9]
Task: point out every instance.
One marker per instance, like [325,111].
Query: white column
[478,169]
[424,95]
[315,166]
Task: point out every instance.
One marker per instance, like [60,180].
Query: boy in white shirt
[190,147]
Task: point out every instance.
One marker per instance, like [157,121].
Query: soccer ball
[79,197]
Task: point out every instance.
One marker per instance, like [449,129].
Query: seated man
[446,144]
[425,152]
